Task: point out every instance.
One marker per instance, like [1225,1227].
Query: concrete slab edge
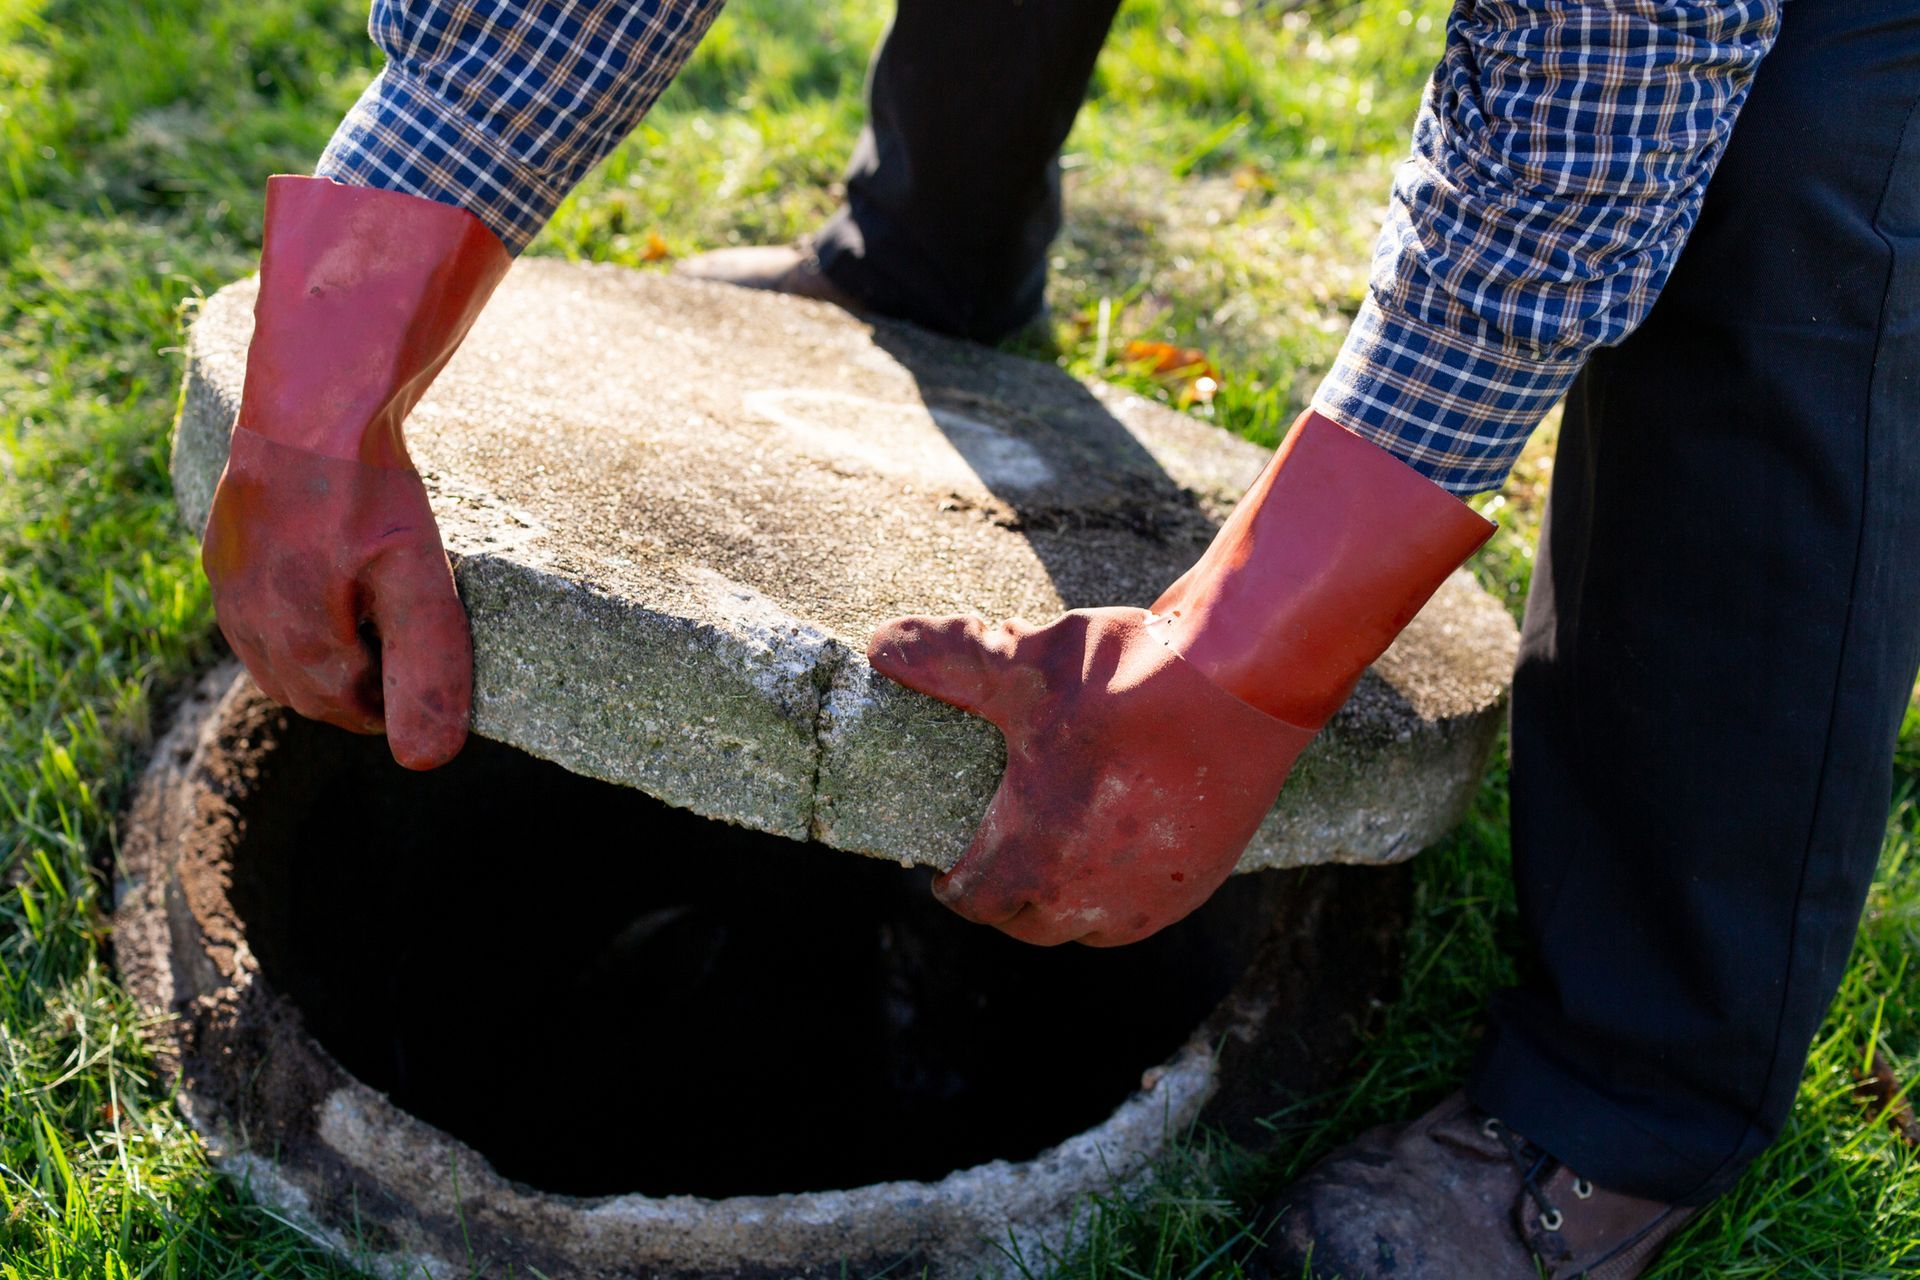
[759,718]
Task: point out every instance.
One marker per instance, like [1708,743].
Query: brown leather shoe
[1458,1195]
[780,268]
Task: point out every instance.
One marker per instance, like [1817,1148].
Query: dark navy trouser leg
[1722,637]
[953,193]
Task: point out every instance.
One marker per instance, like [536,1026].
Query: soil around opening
[603,994]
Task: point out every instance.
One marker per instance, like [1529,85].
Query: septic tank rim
[346,1153]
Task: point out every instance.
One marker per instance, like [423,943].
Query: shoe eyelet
[1583,1188]
[1491,1127]
[1551,1221]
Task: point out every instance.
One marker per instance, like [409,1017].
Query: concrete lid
[677,509]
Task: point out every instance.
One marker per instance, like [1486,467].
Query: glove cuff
[364,295]
[1324,561]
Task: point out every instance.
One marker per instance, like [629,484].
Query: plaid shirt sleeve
[501,106]
[1558,164]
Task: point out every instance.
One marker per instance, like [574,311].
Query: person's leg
[953,191]
[1722,636]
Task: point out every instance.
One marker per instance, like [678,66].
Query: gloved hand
[1144,747]
[329,579]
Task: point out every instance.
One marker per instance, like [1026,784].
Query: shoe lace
[1536,1167]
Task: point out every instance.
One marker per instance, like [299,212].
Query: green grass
[1224,188]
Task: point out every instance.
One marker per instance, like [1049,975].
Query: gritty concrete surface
[677,510]
[400,1197]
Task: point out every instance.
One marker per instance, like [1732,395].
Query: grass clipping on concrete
[1224,187]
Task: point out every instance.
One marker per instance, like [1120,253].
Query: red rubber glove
[1144,748]
[328,574]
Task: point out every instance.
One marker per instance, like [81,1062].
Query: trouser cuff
[1597,1136]
[865,255]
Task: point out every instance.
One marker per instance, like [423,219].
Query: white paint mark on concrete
[931,443]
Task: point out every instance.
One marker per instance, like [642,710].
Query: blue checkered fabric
[501,106]
[1558,164]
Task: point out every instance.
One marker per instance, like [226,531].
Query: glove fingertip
[424,747]
[944,658]
[428,710]
[891,648]
[977,897]
[426,657]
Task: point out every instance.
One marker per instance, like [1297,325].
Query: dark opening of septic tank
[604,994]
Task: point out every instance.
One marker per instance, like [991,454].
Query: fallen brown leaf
[1880,1092]
[1164,357]
[1184,368]
[1251,178]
